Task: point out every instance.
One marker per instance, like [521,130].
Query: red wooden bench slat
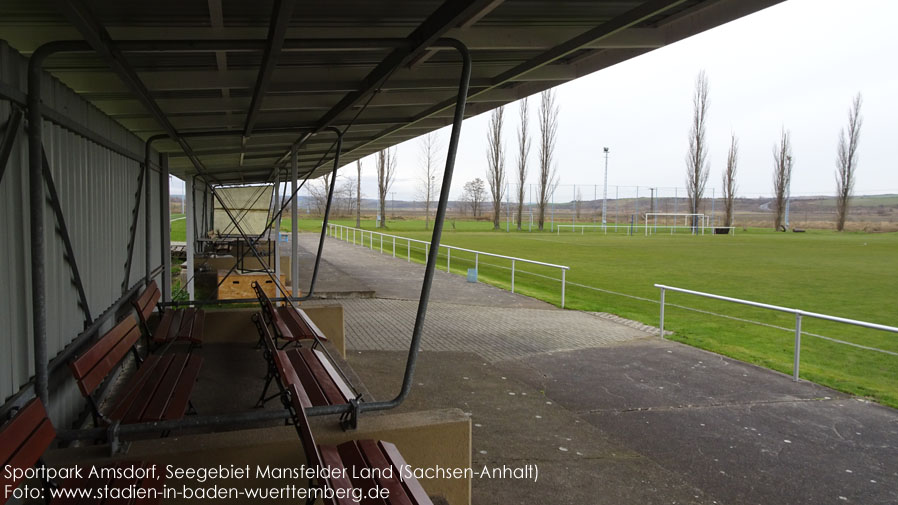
[285,369]
[376,459]
[180,397]
[94,365]
[307,321]
[301,402]
[27,454]
[299,330]
[147,390]
[199,323]
[133,387]
[412,486]
[163,332]
[156,408]
[345,391]
[355,463]
[307,378]
[330,458]
[146,302]
[324,380]
[186,324]
[18,430]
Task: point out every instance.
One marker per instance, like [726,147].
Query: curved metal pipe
[327,212]
[415,344]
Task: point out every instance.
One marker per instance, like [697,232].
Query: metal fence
[799,314]
[369,238]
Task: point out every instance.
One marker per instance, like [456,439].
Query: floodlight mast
[605,190]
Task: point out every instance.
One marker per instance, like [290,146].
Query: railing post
[661,318]
[512,276]
[797,346]
[427,250]
[408,244]
[394,247]
[477,263]
[448,258]
[381,243]
[563,283]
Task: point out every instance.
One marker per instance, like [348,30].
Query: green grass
[850,275]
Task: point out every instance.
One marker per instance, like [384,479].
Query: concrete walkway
[608,411]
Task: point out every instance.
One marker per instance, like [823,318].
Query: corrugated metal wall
[96,190]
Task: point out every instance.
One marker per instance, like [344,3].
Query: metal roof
[275,70]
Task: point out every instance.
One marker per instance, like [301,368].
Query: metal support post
[797,346]
[563,285]
[661,317]
[165,227]
[512,276]
[189,211]
[294,224]
[36,204]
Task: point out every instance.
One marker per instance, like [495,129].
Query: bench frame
[355,453]
[281,369]
[283,329]
[145,304]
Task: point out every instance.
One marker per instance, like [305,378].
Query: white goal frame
[705,221]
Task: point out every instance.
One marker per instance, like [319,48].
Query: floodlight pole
[605,190]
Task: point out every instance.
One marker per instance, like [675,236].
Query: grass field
[852,275]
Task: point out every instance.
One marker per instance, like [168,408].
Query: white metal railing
[798,315]
[348,233]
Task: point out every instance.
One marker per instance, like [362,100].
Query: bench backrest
[300,402]
[23,440]
[145,304]
[103,355]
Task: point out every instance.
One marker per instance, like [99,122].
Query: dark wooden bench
[181,324]
[356,457]
[159,389]
[25,438]
[309,368]
[289,324]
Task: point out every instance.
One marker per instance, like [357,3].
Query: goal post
[703,221]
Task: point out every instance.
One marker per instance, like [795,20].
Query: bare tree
[474,194]
[386,169]
[729,181]
[782,176]
[697,158]
[431,177]
[358,194]
[548,132]
[495,154]
[346,201]
[523,152]
[318,190]
[846,163]
[578,202]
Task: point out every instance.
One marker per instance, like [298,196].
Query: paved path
[388,277]
[493,333]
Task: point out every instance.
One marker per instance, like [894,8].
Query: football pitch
[851,275]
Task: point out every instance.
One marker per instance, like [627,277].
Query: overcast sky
[795,65]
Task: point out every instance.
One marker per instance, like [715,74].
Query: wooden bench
[25,438]
[186,324]
[159,389]
[290,325]
[309,368]
[355,458]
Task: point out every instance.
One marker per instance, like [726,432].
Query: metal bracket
[116,446]
[350,420]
